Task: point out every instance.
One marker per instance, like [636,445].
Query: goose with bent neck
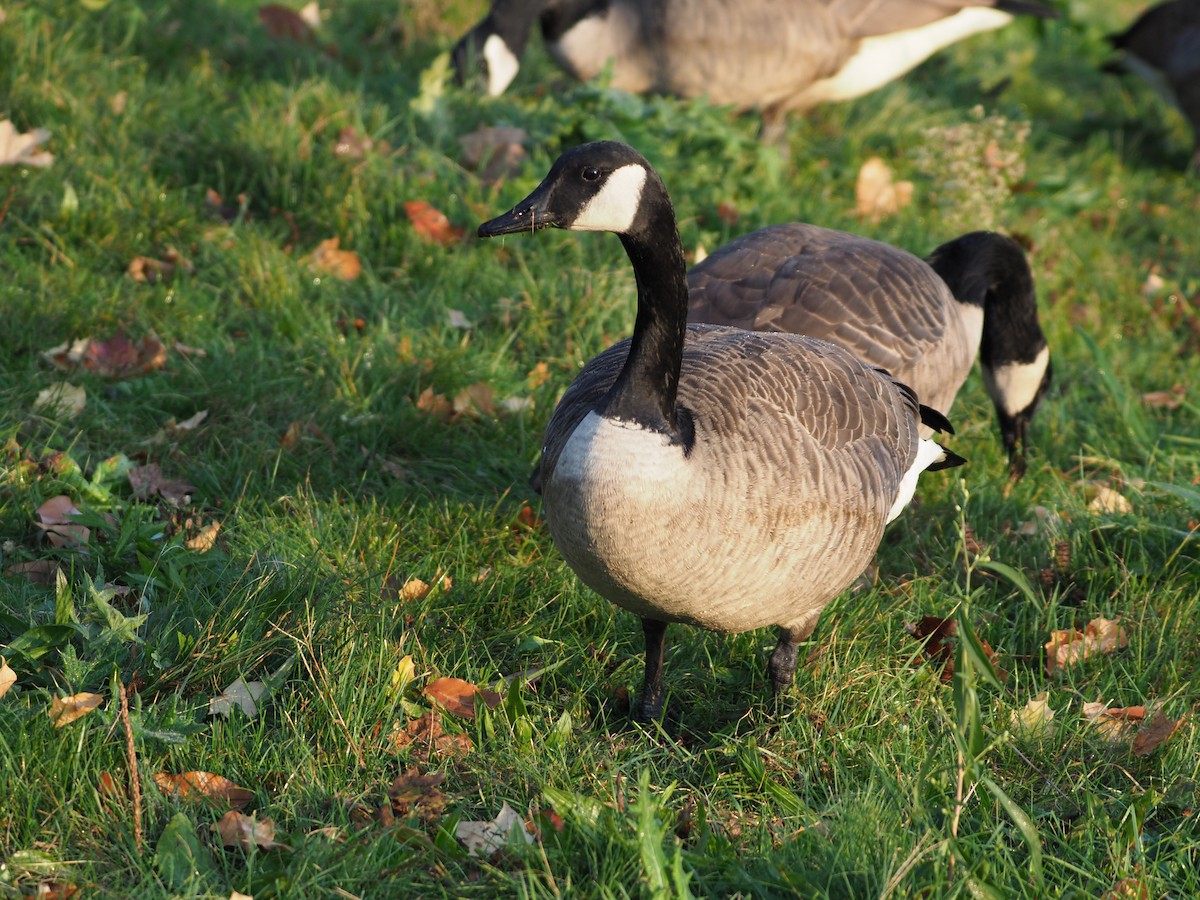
[708,475]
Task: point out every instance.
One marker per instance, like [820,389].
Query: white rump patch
[616,206]
[502,64]
[928,452]
[886,57]
[1013,387]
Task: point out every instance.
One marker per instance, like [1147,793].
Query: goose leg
[652,690]
[782,666]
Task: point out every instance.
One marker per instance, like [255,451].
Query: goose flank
[704,474]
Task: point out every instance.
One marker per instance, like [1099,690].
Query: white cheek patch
[928,452]
[1012,387]
[502,64]
[616,206]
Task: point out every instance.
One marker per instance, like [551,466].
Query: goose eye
[591,173]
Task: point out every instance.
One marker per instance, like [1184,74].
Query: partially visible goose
[709,475]
[777,55]
[922,322]
[1163,46]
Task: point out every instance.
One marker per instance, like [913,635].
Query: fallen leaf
[414,589]
[215,205]
[494,152]
[148,270]
[537,376]
[435,404]
[205,539]
[283,23]
[1153,734]
[1065,648]
[425,738]
[57,517]
[1171,399]
[191,423]
[456,319]
[1108,501]
[17,149]
[458,697]
[728,213]
[106,787]
[414,792]
[1152,285]
[291,436]
[38,571]
[184,350]
[485,838]
[351,145]
[876,195]
[65,710]
[1127,889]
[343,264]
[431,223]
[406,671]
[55,890]
[1044,520]
[148,480]
[528,519]
[117,102]
[1034,718]
[61,399]
[243,695]
[311,14]
[475,400]
[238,830]
[938,634]
[203,785]
[7,676]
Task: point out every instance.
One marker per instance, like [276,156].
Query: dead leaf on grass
[61,399]
[283,23]
[1034,718]
[414,792]
[204,539]
[327,258]
[1127,889]
[494,152]
[149,270]
[238,830]
[456,318]
[425,738]
[58,523]
[148,481]
[113,357]
[435,405]
[485,838]
[458,697]
[1154,733]
[431,223]
[1065,648]
[1171,399]
[352,145]
[38,571]
[243,695]
[537,376]
[65,710]
[475,400]
[215,205]
[203,785]
[7,676]
[876,194]
[23,149]
[1110,502]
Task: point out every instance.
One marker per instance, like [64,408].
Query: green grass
[851,787]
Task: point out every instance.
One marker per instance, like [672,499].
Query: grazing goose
[710,475]
[892,310]
[1163,46]
[777,55]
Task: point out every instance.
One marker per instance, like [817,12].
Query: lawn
[302,470]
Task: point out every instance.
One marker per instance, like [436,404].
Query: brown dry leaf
[538,375]
[485,838]
[106,787]
[938,634]
[876,195]
[436,405]
[1065,648]
[61,399]
[117,102]
[1108,501]
[204,785]
[148,270]
[1127,889]
[283,23]
[1116,726]
[57,517]
[528,519]
[291,437]
[494,152]
[1153,734]
[17,149]
[1033,720]
[431,223]
[65,710]
[237,830]
[55,890]
[243,695]
[458,697]
[425,738]
[8,677]
[148,480]
[414,589]
[1171,399]
[351,145]
[343,264]
[205,539]
[39,571]
[414,792]
[215,205]
[475,400]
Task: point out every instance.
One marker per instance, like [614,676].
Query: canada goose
[920,321]
[1163,46]
[710,475]
[777,55]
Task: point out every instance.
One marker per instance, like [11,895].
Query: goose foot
[782,665]
[653,693]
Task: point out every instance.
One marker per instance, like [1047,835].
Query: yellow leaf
[65,710]
[7,677]
[61,399]
[1034,719]
[17,149]
[405,672]
[876,195]
[205,539]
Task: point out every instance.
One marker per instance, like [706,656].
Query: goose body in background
[705,474]
[921,321]
[1163,47]
[777,55]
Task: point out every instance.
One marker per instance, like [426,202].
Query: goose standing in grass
[777,55]
[1163,47]
[921,321]
[704,474]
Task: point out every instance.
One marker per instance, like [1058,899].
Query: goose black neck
[646,389]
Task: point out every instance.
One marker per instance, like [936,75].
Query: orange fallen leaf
[65,710]
[538,375]
[876,194]
[458,697]
[435,404]
[7,676]
[475,400]
[57,517]
[431,223]
[1115,725]
[237,830]
[148,270]
[205,539]
[343,264]
[203,785]
[1065,648]
[1127,889]
[425,738]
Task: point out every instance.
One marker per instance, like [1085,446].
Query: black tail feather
[933,419]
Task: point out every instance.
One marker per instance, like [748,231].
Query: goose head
[492,50]
[989,270]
